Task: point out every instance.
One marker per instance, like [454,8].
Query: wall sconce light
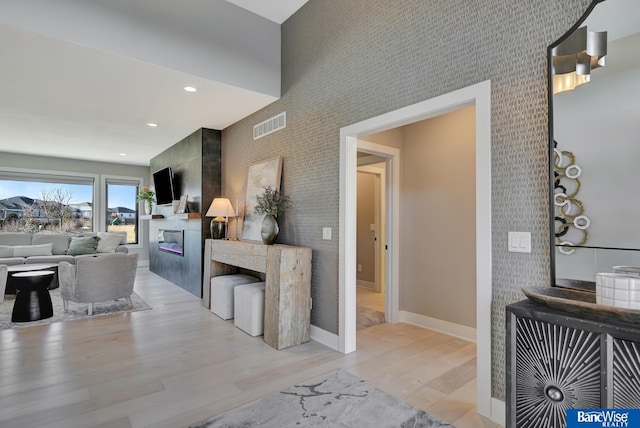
[576,56]
[220,209]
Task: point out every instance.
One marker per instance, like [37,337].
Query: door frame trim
[480,96]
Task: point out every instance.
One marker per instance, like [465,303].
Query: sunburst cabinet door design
[626,374]
[558,361]
[557,368]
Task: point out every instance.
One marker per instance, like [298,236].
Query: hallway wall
[365,246]
[347,61]
[438,215]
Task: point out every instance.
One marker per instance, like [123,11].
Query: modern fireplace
[171,241]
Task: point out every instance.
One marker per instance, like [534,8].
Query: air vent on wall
[270,125]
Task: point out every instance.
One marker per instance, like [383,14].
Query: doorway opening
[370,276]
[478,95]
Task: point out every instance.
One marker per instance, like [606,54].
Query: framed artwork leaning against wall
[261,174]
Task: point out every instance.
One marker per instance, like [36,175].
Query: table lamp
[220,209]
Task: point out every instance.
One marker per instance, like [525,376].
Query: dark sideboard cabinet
[558,361]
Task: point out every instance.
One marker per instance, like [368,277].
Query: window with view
[122,208]
[39,202]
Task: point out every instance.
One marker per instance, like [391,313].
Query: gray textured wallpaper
[344,61]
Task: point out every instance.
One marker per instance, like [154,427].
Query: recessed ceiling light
[151,124]
[122,154]
[190,89]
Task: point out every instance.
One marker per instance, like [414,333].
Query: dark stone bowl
[579,303]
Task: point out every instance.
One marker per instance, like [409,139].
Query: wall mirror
[594,135]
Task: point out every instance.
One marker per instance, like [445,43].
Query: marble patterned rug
[76,310]
[337,399]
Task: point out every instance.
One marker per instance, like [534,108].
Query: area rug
[337,399]
[366,317]
[76,310]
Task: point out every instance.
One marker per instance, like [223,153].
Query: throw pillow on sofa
[60,241]
[33,250]
[80,245]
[108,242]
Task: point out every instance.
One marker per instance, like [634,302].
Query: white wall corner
[325,338]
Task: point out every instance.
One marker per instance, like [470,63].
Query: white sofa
[27,248]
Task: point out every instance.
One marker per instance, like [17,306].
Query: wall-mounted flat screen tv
[163,181]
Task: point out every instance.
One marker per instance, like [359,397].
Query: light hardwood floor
[370,299]
[177,364]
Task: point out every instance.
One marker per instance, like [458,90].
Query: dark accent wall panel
[195,161]
[347,61]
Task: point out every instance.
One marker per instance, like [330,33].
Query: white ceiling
[70,100]
[275,10]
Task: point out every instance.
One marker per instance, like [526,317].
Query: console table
[287,298]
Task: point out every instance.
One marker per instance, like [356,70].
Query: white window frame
[104,207]
[94,177]
[99,193]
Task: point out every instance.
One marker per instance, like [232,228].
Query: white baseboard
[366,284]
[446,327]
[325,338]
[143,263]
[498,411]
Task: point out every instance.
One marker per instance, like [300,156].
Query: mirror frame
[552,232]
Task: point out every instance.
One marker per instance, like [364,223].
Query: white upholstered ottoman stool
[249,308]
[222,293]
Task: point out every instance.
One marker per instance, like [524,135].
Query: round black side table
[33,301]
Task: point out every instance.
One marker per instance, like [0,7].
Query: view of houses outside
[123,217]
[61,207]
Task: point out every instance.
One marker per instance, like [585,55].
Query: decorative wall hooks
[570,222]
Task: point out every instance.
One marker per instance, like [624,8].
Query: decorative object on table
[271,203]
[236,236]
[220,209]
[571,223]
[618,290]
[334,399]
[147,196]
[261,175]
[182,206]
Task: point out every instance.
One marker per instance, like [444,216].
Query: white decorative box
[618,290]
[627,270]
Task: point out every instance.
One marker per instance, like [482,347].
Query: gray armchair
[3,281]
[97,279]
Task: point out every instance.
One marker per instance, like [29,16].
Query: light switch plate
[519,242]
[326,233]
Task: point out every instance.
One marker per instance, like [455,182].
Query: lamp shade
[220,207]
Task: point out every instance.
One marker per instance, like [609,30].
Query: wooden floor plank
[177,364]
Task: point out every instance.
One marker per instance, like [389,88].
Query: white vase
[147,209]
[270,229]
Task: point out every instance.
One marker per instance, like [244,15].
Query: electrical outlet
[359,267]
